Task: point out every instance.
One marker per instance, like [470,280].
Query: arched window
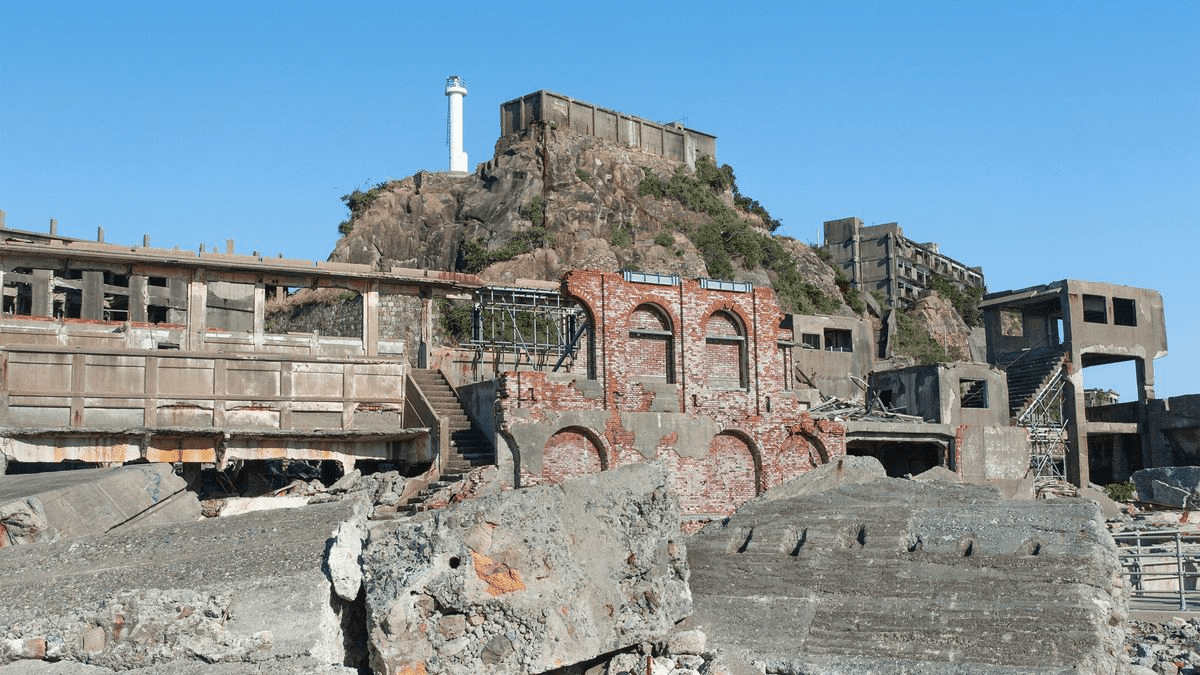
[725,359]
[651,344]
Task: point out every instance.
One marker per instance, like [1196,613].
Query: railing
[1162,566]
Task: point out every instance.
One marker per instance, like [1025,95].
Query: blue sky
[1039,140]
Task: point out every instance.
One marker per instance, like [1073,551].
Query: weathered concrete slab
[249,588]
[901,576]
[528,580]
[54,504]
[1174,486]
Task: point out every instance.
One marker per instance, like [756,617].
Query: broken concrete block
[247,588]
[46,506]
[902,576]
[528,580]
[1174,486]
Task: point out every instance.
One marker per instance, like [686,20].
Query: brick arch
[722,480]
[726,355]
[650,350]
[572,452]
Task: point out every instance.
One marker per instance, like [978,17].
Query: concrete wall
[672,141]
[830,349]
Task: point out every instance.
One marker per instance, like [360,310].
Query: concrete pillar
[426,295]
[41,301]
[260,313]
[139,298]
[197,313]
[1078,472]
[370,322]
[92,296]
[1145,384]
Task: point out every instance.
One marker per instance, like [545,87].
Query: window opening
[1124,312]
[972,393]
[810,341]
[1095,309]
[1012,323]
[725,352]
[837,340]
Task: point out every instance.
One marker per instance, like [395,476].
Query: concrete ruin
[114,354]
[846,571]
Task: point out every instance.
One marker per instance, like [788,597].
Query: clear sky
[1039,140]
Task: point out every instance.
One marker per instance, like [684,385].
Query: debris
[560,574]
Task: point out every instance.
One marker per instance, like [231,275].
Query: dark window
[973,393]
[838,340]
[1095,309]
[1124,312]
[810,341]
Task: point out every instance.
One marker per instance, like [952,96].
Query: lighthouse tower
[456,89]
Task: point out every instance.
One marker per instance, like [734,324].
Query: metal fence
[1163,566]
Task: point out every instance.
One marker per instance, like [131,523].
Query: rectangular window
[1095,309]
[810,341]
[1124,312]
[1012,323]
[838,340]
[972,393]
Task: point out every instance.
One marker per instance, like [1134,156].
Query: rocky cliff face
[548,201]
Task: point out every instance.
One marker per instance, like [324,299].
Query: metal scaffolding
[1047,430]
[537,328]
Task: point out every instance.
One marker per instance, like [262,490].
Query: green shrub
[358,202]
[965,301]
[455,319]
[913,340]
[1120,492]
[622,235]
[582,175]
[534,211]
[664,239]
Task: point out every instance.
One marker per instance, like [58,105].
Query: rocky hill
[552,200]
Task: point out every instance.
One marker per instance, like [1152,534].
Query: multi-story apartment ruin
[880,259]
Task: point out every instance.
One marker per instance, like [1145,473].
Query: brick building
[693,373]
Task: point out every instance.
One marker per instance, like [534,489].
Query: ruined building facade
[880,259]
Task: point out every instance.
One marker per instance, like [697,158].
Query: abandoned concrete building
[880,259]
[116,354]
[673,141]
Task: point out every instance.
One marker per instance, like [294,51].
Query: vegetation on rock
[966,302]
[358,202]
[726,237]
[914,340]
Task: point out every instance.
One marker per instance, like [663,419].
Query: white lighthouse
[456,89]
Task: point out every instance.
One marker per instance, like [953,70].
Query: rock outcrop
[528,580]
[574,198]
[901,576]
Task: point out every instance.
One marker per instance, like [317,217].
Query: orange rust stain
[499,577]
[412,669]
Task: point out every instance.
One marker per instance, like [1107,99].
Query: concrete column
[197,313]
[41,301]
[139,298]
[150,387]
[260,312]
[370,322]
[1078,472]
[426,295]
[78,385]
[1145,383]
[92,306]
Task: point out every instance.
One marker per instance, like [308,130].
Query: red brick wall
[761,421]
[569,454]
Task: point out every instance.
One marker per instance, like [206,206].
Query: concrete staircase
[1028,372]
[469,448]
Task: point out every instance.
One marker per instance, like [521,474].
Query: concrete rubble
[251,588]
[48,506]
[900,576]
[529,580]
[1174,486]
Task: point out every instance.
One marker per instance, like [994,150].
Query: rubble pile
[842,570]
[1171,648]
